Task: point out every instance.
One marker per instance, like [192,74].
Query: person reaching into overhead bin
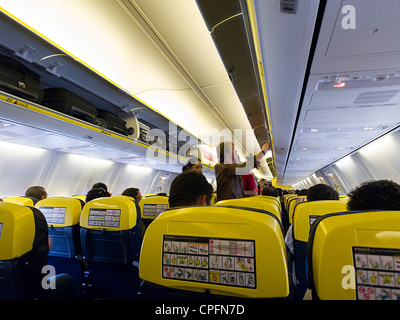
[228,171]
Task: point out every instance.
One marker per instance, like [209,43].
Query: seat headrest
[109,213]
[60,211]
[355,255]
[17,230]
[22,200]
[263,203]
[307,212]
[224,249]
[152,207]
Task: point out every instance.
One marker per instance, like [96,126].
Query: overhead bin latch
[25,52]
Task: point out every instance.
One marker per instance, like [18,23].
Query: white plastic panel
[22,167]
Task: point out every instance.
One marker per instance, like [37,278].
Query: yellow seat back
[151,207]
[22,200]
[264,203]
[225,250]
[80,196]
[307,212]
[109,213]
[60,211]
[356,255]
[286,199]
[17,230]
[292,204]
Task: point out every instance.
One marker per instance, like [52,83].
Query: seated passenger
[101,185]
[134,193]
[36,192]
[270,191]
[190,188]
[96,193]
[317,192]
[379,195]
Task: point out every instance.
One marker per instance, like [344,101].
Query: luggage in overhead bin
[20,81]
[67,102]
[145,134]
[111,121]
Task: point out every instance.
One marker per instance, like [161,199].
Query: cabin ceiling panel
[179,29]
[285,42]
[374,25]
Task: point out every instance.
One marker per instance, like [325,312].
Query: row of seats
[97,244]
[233,249]
[345,255]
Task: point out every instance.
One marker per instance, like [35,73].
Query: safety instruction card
[377,273]
[228,262]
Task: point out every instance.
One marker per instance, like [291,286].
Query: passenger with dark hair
[375,195]
[193,164]
[302,192]
[96,193]
[315,193]
[36,192]
[134,193]
[190,188]
[322,192]
[261,184]
[270,191]
[101,185]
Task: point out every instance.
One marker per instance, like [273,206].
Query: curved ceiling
[158,51]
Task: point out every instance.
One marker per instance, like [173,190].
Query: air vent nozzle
[289,6]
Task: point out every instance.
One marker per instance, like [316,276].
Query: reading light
[340,85]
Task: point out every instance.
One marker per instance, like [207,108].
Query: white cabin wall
[129,176]
[17,173]
[68,174]
[376,161]
[74,174]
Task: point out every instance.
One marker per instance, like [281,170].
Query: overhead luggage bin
[209,252]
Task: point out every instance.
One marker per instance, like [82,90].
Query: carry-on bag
[19,80]
[111,121]
[67,102]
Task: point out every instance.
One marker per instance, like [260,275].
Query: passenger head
[322,192]
[37,192]
[193,164]
[101,185]
[270,191]
[134,193]
[189,188]
[302,192]
[96,193]
[375,195]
